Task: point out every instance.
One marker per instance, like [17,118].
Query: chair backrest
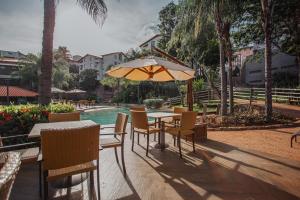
[139,119]
[188,120]
[68,147]
[62,117]
[138,108]
[121,123]
[179,110]
[8,173]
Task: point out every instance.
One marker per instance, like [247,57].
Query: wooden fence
[280,95]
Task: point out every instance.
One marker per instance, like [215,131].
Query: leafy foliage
[88,79]
[19,119]
[153,103]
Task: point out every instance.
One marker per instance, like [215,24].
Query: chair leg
[45,184]
[40,178]
[92,185]
[138,135]
[98,180]
[123,162]
[131,131]
[116,154]
[147,144]
[154,136]
[179,145]
[194,143]
[132,141]
[174,139]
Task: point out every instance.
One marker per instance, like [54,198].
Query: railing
[280,95]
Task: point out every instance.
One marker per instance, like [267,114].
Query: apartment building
[9,65]
[151,42]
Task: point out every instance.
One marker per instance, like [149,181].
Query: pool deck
[216,171]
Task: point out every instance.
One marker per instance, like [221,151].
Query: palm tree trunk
[230,82]
[47,53]
[266,12]
[223,79]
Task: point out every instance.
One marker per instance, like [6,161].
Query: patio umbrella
[76,91]
[153,69]
[57,90]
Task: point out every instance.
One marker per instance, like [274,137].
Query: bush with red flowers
[19,119]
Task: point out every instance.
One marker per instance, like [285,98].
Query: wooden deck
[216,171]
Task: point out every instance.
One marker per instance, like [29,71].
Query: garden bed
[246,117]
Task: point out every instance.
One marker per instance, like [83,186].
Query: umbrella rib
[128,73]
[170,74]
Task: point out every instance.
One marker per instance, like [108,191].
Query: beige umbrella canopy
[153,69]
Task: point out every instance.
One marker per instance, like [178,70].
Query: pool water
[107,116]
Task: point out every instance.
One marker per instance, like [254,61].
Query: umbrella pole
[190,94]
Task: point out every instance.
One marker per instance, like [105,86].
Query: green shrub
[153,103]
[19,119]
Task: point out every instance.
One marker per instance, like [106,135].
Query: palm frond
[96,8]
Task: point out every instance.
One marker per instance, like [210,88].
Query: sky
[128,24]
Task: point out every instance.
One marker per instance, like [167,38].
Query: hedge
[19,119]
[153,103]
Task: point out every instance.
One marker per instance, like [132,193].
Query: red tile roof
[14,91]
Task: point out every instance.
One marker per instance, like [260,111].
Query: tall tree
[267,10]
[96,8]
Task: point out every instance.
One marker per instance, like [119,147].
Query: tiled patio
[216,171]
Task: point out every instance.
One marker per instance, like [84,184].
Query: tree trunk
[220,31]
[223,79]
[47,53]
[229,56]
[266,12]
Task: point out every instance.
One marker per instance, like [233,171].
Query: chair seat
[69,171]
[144,131]
[27,155]
[177,130]
[110,142]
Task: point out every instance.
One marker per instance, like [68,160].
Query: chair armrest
[107,127]
[14,136]
[102,134]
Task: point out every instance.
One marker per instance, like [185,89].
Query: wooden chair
[114,142]
[8,173]
[136,108]
[68,152]
[187,125]
[176,119]
[140,125]
[62,117]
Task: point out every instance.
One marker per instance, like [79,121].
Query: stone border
[242,128]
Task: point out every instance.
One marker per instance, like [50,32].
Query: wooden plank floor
[216,171]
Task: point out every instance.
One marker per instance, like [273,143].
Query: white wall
[281,62]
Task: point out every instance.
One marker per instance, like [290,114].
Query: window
[115,56]
[120,56]
[255,71]
[152,43]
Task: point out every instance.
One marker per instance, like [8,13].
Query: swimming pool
[107,116]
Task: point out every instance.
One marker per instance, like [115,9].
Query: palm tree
[267,8]
[96,8]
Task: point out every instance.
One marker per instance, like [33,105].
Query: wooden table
[158,116]
[36,133]
[36,130]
